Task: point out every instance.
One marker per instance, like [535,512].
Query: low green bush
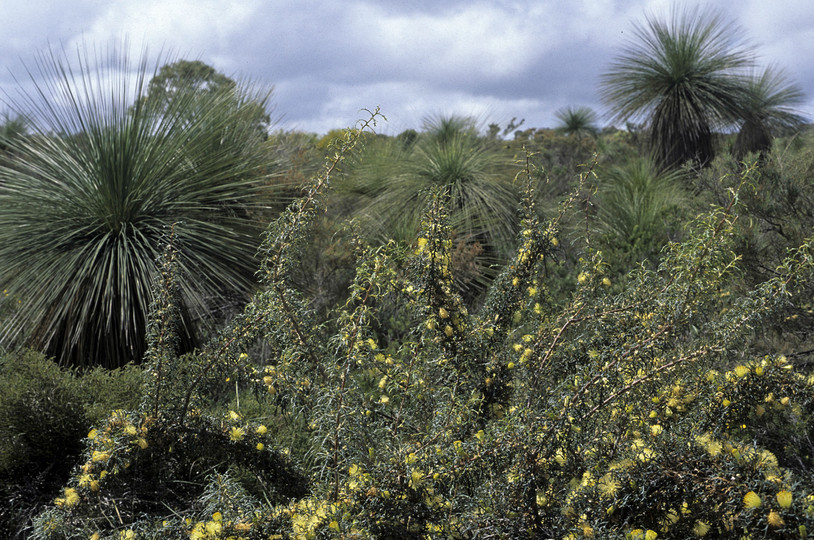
[45,413]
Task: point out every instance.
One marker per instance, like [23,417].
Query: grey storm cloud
[329,59]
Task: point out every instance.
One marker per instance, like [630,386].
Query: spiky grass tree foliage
[768,110]
[92,194]
[450,156]
[638,204]
[577,121]
[682,76]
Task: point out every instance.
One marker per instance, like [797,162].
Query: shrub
[45,413]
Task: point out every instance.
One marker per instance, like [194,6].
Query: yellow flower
[99,456]
[261,430]
[606,282]
[130,429]
[92,434]
[741,371]
[142,443]
[217,516]
[260,447]
[515,281]
[448,331]
[382,382]
[233,416]
[213,528]
[656,430]
[70,498]
[237,434]
[784,499]
[384,400]
[422,243]
[751,500]
[775,519]
[700,529]
[532,291]
[443,313]
[582,277]
[554,241]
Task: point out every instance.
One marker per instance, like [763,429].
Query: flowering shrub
[641,414]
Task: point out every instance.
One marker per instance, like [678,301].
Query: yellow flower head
[700,529]
[443,313]
[260,447]
[775,519]
[751,500]
[582,277]
[99,456]
[261,430]
[237,434]
[784,499]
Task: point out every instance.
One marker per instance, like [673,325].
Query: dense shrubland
[573,399]
[449,334]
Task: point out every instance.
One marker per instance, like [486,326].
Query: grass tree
[638,206]
[94,192]
[768,110]
[449,156]
[683,77]
[577,121]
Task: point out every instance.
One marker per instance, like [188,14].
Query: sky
[328,60]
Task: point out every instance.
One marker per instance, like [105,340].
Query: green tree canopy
[196,77]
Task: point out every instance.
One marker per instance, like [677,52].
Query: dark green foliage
[45,413]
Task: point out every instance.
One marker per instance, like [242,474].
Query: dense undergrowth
[555,408]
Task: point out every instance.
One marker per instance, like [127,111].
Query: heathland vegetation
[210,329]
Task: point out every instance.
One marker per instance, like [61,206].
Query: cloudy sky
[328,59]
